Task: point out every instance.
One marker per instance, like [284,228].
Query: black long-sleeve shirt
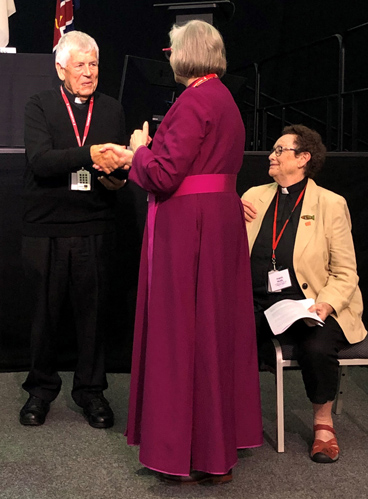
[51,209]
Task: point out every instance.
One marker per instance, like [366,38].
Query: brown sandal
[325,452]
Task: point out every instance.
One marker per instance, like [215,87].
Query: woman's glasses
[167,53]
[279,150]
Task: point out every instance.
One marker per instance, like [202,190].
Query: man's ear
[60,71]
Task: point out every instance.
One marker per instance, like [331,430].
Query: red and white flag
[7,8]
[64,19]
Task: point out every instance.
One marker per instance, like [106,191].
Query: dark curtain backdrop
[259,29]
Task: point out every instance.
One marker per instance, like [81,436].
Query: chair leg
[279,380]
[337,407]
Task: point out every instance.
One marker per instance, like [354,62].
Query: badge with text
[278,280]
[81,181]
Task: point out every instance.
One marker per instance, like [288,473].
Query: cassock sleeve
[181,134]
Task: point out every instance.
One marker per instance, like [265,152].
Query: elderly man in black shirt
[68,226]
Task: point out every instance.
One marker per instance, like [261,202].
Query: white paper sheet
[285,312]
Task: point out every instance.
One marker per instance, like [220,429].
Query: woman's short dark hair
[197,49]
[308,140]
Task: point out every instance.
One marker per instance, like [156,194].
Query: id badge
[80,180]
[278,280]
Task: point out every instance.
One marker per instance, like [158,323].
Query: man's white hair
[74,40]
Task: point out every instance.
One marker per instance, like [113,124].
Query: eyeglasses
[279,150]
[167,52]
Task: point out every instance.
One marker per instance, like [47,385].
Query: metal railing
[313,92]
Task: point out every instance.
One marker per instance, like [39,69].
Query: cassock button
[304,285]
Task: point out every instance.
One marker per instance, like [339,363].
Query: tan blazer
[324,256]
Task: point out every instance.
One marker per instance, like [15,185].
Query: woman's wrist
[135,151]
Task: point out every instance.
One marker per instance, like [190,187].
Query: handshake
[108,157]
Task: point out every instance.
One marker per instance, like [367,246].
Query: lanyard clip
[274,262]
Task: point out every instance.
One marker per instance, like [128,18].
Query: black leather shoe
[196,477]
[34,411]
[99,413]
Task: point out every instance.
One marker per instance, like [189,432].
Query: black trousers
[317,354]
[54,268]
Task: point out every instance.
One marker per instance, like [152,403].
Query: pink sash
[202,184]
[195,184]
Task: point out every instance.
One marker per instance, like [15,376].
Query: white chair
[285,357]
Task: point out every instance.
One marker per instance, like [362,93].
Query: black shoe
[34,411]
[99,413]
[196,477]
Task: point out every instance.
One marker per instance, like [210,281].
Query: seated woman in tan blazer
[298,227]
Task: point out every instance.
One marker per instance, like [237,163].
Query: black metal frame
[339,135]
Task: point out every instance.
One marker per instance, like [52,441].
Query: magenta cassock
[194,396]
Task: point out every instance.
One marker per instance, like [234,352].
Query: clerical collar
[299,186]
[73,99]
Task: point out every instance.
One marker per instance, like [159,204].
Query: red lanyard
[275,241]
[72,119]
[201,80]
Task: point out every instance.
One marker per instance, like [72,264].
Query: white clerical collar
[284,190]
[77,100]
